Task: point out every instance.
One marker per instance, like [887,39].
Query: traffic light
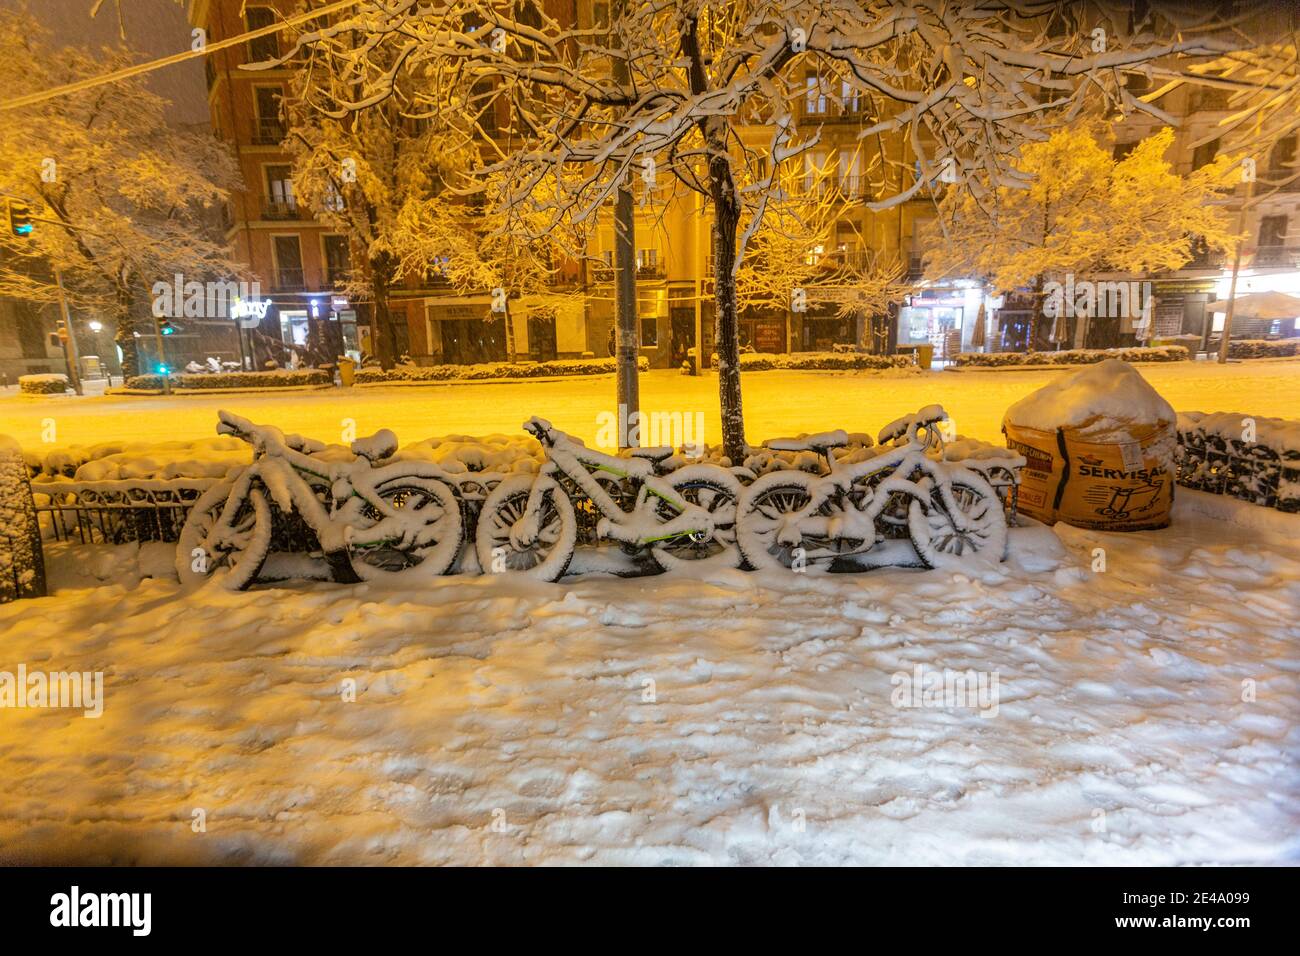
[20,218]
[165,327]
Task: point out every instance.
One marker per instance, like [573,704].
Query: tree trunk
[381,276]
[1036,308]
[509,330]
[726,208]
[626,337]
[124,336]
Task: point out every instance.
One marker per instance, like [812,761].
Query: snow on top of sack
[1279,434]
[1099,401]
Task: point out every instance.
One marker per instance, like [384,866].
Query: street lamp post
[69,338]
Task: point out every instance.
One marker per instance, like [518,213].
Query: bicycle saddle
[656,454]
[540,429]
[926,417]
[821,442]
[374,447]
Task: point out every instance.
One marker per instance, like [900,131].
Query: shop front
[944,319]
[464,331]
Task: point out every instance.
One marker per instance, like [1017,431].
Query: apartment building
[299,263]
[1270,259]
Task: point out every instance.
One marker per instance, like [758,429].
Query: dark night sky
[154,28]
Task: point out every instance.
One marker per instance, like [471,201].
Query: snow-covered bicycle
[821,522]
[532,523]
[368,521]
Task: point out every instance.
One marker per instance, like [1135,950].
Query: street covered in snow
[776,403]
[1098,698]
[1140,714]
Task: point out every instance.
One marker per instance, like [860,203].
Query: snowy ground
[776,403]
[737,719]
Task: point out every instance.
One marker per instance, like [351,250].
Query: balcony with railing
[280,209]
[650,270]
[290,279]
[830,109]
[1277,257]
[267,131]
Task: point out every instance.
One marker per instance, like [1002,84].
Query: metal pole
[1236,263]
[162,357]
[70,355]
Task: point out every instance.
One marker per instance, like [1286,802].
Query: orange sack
[1098,447]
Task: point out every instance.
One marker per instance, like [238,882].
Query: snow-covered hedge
[1263,348]
[1159,353]
[1251,458]
[275,378]
[819,361]
[22,567]
[50,384]
[452,373]
[112,461]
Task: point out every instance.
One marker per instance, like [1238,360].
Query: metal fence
[115,512]
[1248,471]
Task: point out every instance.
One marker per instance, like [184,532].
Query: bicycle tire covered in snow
[1099,448]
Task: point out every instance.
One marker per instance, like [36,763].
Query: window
[814,95]
[813,164]
[647,262]
[649,333]
[1281,158]
[600,14]
[337,259]
[1204,154]
[1122,149]
[850,98]
[268,126]
[1272,231]
[288,262]
[261,48]
[1212,98]
[850,173]
[333,199]
[279,192]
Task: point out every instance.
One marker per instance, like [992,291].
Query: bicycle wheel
[716,491]
[233,552]
[938,540]
[435,511]
[763,514]
[547,551]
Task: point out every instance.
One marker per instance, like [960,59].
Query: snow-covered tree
[132,197]
[1082,211]
[966,83]
[481,247]
[361,171]
[791,264]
